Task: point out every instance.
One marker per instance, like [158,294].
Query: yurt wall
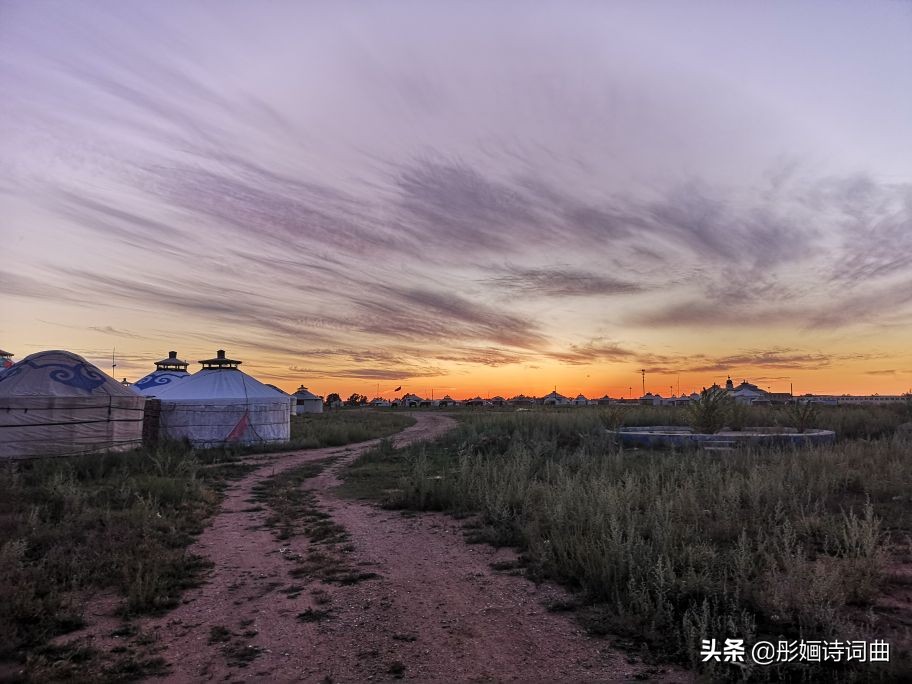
[56,403]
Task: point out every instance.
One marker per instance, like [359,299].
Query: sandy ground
[437,612]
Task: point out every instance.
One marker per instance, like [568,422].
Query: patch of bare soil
[403,597]
[894,607]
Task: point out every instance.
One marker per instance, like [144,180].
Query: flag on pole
[398,388]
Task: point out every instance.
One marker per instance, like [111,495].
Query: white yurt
[55,403]
[167,371]
[294,401]
[555,399]
[221,404]
[308,402]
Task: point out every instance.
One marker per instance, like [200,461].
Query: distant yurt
[167,371]
[221,404]
[308,402]
[555,399]
[55,403]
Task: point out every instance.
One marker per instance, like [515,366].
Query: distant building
[410,401]
[746,393]
[555,399]
[448,402]
[307,401]
[580,401]
[850,399]
[521,401]
[379,402]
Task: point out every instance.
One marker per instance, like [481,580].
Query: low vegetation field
[666,549]
[335,428]
[121,524]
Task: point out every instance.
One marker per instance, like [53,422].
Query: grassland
[309,431]
[121,524]
[666,549]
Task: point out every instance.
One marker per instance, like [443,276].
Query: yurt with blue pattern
[55,403]
[167,371]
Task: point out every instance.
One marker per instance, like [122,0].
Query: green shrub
[801,415]
[707,414]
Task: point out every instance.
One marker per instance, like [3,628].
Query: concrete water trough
[678,437]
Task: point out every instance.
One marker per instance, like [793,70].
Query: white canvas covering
[224,406]
[55,403]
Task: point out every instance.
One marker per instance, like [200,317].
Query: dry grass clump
[119,521]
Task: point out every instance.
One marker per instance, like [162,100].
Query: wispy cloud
[108,330]
[563,282]
[413,207]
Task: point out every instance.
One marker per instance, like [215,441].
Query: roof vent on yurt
[166,372]
[172,363]
[213,407]
[55,403]
[220,362]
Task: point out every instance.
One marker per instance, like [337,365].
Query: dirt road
[435,611]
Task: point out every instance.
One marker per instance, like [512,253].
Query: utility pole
[113,364]
[643,374]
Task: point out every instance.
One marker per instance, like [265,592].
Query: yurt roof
[214,384]
[158,380]
[59,373]
[304,393]
[5,353]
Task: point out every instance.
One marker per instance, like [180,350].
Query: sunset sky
[469,198]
